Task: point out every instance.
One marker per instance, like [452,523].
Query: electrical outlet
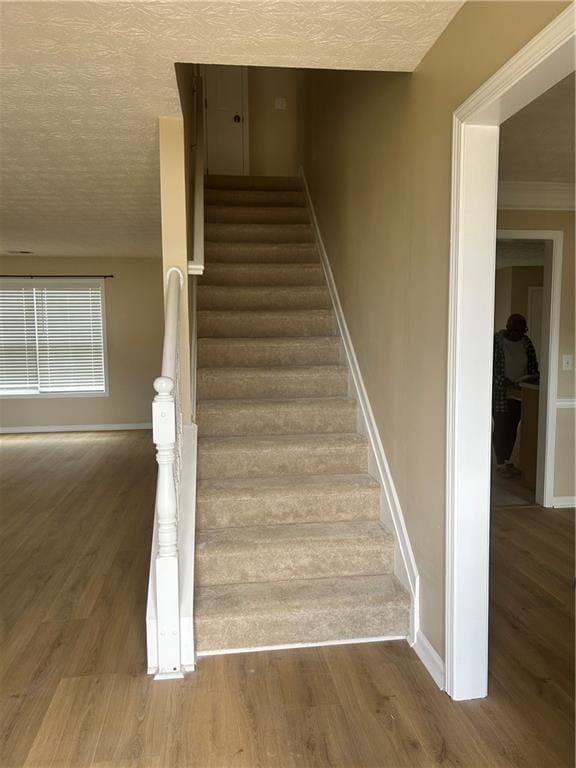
[279,102]
[567,362]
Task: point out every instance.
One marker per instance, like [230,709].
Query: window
[52,337]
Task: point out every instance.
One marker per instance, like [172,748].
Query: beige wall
[524,278]
[277,137]
[379,165]
[134,325]
[563,221]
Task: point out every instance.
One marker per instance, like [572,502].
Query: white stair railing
[167,432]
[170,609]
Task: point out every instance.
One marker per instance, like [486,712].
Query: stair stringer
[391,515]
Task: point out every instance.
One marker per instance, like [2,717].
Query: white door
[226,119]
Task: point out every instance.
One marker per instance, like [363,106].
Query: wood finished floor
[76,514]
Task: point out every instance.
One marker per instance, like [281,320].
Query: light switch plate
[279,102]
[567,362]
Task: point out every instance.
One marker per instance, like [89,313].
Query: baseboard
[288,646]
[74,428]
[564,501]
[407,571]
[430,658]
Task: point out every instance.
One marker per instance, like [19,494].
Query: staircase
[289,548]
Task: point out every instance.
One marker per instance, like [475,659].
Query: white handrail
[196,265]
[166,432]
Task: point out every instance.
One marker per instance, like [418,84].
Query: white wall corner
[430,658]
[391,515]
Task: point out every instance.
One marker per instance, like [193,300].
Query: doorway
[546,60]
[527,281]
[226,119]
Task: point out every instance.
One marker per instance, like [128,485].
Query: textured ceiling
[82,85]
[537,143]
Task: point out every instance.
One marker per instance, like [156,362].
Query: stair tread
[273,402]
[264,183]
[295,484]
[277,369]
[294,534]
[266,341]
[234,442]
[324,596]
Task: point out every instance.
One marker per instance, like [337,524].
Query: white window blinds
[51,337]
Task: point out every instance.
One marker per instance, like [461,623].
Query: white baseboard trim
[288,646]
[430,658]
[408,570]
[564,501]
[74,428]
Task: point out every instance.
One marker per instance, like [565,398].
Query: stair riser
[225,463]
[247,419]
[237,325]
[252,631]
[263,275]
[213,384]
[256,215]
[223,297]
[253,197]
[254,253]
[313,561]
[275,183]
[258,233]
[236,353]
[305,507]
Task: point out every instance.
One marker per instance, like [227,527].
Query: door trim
[543,62]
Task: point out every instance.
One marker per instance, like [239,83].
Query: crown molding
[536,195]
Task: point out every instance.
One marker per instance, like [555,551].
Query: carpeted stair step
[222,181]
[237,616]
[265,197]
[258,233]
[245,323]
[302,550]
[262,297]
[263,274]
[261,456]
[272,382]
[283,417]
[242,352]
[256,214]
[264,253]
[286,500]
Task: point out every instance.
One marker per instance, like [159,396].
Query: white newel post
[167,577]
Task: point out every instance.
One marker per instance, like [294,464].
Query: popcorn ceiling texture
[82,85]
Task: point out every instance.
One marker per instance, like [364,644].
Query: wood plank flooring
[74,553]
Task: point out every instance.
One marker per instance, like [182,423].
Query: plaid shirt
[499,394]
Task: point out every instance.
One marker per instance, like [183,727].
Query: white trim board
[563,502]
[74,428]
[288,646]
[430,658]
[391,514]
[536,195]
[543,62]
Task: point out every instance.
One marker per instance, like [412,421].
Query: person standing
[514,362]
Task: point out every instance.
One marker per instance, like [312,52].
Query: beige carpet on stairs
[289,547]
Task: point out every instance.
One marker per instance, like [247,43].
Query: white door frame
[551,337]
[245,119]
[543,62]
